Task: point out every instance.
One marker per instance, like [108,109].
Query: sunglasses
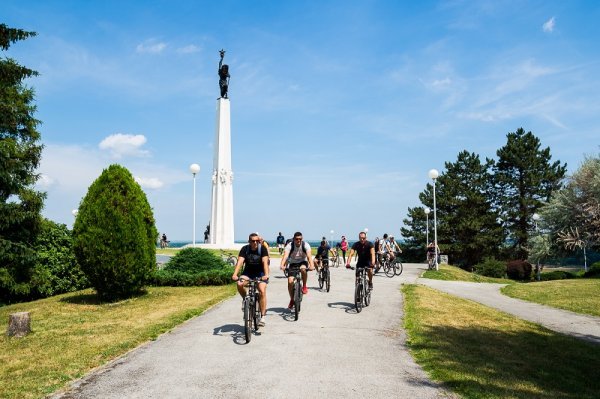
[298,238]
[254,240]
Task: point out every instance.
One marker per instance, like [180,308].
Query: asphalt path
[563,321]
[331,351]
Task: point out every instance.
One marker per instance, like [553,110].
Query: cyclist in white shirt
[298,254]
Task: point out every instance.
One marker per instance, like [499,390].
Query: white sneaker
[261,322]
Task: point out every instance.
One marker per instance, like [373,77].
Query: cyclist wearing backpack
[299,255]
[256,264]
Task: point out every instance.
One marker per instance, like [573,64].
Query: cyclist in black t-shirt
[366,255]
[322,253]
[255,259]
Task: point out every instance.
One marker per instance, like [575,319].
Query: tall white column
[221,220]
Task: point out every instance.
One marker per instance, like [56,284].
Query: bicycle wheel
[389,269]
[399,268]
[247,321]
[358,300]
[321,277]
[297,299]
[366,294]
[327,279]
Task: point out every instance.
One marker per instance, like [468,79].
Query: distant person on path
[395,247]
[344,247]
[164,243]
[256,264]
[366,256]
[280,243]
[299,256]
[431,250]
[322,253]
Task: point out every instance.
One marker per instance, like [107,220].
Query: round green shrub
[593,271]
[519,270]
[193,260]
[491,267]
[556,275]
[114,235]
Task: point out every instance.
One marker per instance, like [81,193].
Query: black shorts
[251,275]
[369,266]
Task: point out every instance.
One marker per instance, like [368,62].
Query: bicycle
[324,275]
[228,258]
[251,308]
[398,264]
[294,271]
[388,266]
[362,293]
[335,259]
[431,261]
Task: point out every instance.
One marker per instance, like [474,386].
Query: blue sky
[339,108]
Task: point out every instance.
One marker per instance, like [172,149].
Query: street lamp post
[427,210]
[535,218]
[195,169]
[331,240]
[433,175]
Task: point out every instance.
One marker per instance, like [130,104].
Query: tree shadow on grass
[483,362]
[92,298]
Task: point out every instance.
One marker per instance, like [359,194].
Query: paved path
[564,321]
[331,351]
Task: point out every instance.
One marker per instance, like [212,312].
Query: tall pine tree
[524,178]
[20,152]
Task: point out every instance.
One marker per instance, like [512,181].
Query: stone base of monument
[19,324]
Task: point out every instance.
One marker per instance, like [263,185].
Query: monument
[221,219]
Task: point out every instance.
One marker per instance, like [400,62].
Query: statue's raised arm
[223,75]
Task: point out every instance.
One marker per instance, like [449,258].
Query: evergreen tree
[20,152]
[524,178]
[114,237]
[414,234]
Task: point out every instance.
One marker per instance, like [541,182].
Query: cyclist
[322,253]
[280,243]
[366,256]
[256,264]
[431,250]
[396,250]
[299,255]
[386,249]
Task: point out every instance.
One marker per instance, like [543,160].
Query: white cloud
[124,145]
[150,47]
[149,182]
[549,25]
[45,181]
[191,48]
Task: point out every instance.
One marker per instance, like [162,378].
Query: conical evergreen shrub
[114,235]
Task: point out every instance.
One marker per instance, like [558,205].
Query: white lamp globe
[195,168]
[536,217]
[427,210]
[433,174]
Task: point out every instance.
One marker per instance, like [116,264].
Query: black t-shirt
[252,260]
[364,253]
[323,252]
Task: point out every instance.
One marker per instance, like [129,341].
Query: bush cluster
[114,235]
[491,267]
[193,267]
[56,270]
[593,271]
[557,275]
[519,270]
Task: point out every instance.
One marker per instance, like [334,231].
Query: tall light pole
[535,218]
[427,210]
[433,175]
[331,241]
[195,169]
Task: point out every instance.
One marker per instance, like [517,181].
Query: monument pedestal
[221,219]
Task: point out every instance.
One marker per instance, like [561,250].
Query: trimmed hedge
[491,267]
[194,267]
[519,270]
[557,275]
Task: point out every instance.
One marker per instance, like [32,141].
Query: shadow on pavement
[347,306]
[235,331]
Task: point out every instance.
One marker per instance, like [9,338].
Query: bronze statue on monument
[223,75]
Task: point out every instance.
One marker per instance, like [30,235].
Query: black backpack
[303,247]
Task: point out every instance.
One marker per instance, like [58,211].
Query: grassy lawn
[73,333]
[447,272]
[167,251]
[576,295]
[482,353]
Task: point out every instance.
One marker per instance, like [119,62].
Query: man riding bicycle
[256,265]
[386,248]
[322,253]
[431,252]
[299,256]
[366,256]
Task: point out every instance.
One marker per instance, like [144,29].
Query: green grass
[479,352]
[74,333]
[576,295]
[453,273]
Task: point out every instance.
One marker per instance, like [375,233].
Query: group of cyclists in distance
[296,254]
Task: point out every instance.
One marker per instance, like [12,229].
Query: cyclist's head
[323,243]
[362,236]
[385,236]
[253,238]
[297,236]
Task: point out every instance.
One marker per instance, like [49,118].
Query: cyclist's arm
[265,262]
[238,266]
[286,254]
[350,255]
[372,256]
[311,265]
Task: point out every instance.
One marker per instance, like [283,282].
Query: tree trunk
[19,324]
